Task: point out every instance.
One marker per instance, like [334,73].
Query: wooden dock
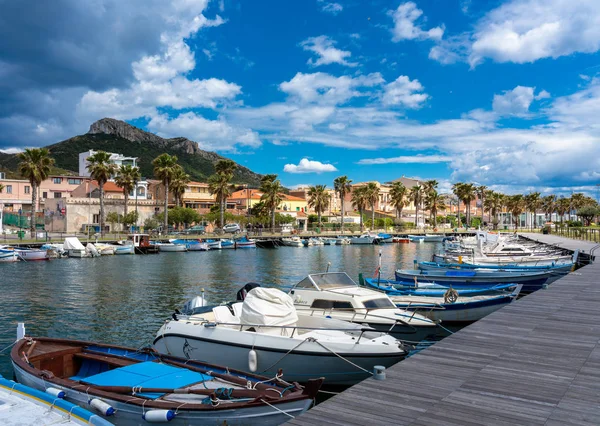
[534,362]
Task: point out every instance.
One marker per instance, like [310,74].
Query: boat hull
[358,240]
[124,250]
[172,248]
[32,254]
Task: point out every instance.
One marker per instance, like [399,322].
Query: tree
[533,203]
[434,202]
[35,166]
[164,169]
[457,190]
[494,202]
[548,206]
[151,223]
[127,178]
[130,218]
[318,198]
[429,189]
[271,196]
[372,191]
[587,213]
[416,196]
[360,199]
[219,184]
[481,191]
[101,169]
[516,204]
[342,186]
[398,197]
[563,205]
[468,195]
[112,218]
[179,184]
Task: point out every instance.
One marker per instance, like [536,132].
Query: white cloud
[405,26]
[527,30]
[404,92]
[513,102]
[542,95]
[407,159]
[327,53]
[11,150]
[309,166]
[330,7]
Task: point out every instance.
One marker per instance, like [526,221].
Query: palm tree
[271,188]
[563,205]
[429,187]
[549,205]
[416,196]
[224,170]
[360,198]
[218,185]
[532,203]
[398,194]
[372,191]
[468,195]
[127,178]
[179,184]
[516,205]
[164,169]
[578,200]
[35,166]
[481,191]
[434,202]
[342,186]
[457,189]
[101,169]
[494,202]
[318,198]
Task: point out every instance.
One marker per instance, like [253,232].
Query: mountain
[120,137]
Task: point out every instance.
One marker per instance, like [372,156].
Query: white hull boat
[292,242]
[266,335]
[214,245]
[9,256]
[125,249]
[342,241]
[227,244]
[32,254]
[363,239]
[105,249]
[171,248]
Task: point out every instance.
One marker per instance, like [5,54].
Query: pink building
[16,195]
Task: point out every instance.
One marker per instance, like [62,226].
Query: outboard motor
[193,306]
[241,294]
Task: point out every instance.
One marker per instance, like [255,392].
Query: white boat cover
[268,306]
[73,243]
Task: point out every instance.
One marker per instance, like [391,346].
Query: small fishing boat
[556,269]
[191,245]
[315,241]
[505,260]
[328,241]
[416,238]
[170,247]
[395,288]
[105,249]
[142,243]
[135,387]
[29,254]
[264,333]
[531,280]
[244,242]
[124,249]
[385,238]
[453,308]
[364,239]
[213,244]
[227,244]
[21,405]
[341,241]
[292,242]
[336,295]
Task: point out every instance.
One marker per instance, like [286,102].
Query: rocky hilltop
[120,137]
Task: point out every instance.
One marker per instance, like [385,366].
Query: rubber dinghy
[264,334]
[135,387]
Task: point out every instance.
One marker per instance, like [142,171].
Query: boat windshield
[381,303]
[327,281]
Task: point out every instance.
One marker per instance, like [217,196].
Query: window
[57,180]
[44,195]
[74,181]
[8,189]
[96,218]
[381,303]
[58,195]
[27,189]
[329,304]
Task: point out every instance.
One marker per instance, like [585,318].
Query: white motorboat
[342,241]
[292,242]
[363,239]
[227,244]
[191,245]
[213,244]
[9,256]
[336,295]
[21,405]
[170,247]
[105,249]
[29,254]
[264,334]
[124,249]
[316,241]
[74,248]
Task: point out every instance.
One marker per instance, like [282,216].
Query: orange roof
[197,183]
[255,194]
[292,198]
[109,186]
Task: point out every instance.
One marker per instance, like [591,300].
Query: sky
[500,93]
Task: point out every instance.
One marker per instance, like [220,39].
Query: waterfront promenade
[536,361]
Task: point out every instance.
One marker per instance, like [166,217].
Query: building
[117,159]
[335,203]
[60,186]
[16,195]
[197,196]
[248,198]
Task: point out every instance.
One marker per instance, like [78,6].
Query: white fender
[252,361]
[158,416]
[102,407]
[56,392]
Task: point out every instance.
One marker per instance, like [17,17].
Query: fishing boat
[557,270]
[105,249]
[244,242]
[385,238]
[453,308]
[135,387]
[484,261]
[336,295]
[172,248]
[328,241]
[427,238]
[213,244]
[416,238]
[228,244]
[142,243]
[191,245]
[395,288]
[29,254]
[314,241]
[21,405]
[124,249]
[292,242]
[264,333]
[531,280]
[341,241]
[364,239]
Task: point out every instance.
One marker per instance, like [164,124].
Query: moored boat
[191,245]
[267,243]
[170,247]
[401,240]
[227,244]
[385,238]
[142,243]
[130,386]
[124,249]
[364,239]
[29,254]
[292,242]
[74,248]
[432,290]
[244,242]
[213,244]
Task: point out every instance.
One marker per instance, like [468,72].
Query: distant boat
[427,238]
[401,240]
[8,256]
[124,249]
[244,242]
[191,245]
[74,248]
[395,288]
[170,247]
[386,238]
[292,242]
[227,244]
[213,244]
[142,243]
[29,254]
[364,239]
[340,241]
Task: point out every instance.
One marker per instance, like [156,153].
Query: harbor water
[125,299]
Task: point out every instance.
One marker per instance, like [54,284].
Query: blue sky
[505,94]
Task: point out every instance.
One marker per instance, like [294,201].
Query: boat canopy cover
[268,306]
[73,243]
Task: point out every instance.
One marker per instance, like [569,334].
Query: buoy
[379,372]
[20,330]
[56,392]
[158,416]
[102,407]
[252,361]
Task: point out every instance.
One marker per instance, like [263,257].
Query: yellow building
[248,198]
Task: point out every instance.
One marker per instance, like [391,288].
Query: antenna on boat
[379,269]
[328,265]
